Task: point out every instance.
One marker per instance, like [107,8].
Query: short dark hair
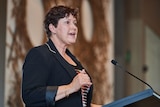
[56,13]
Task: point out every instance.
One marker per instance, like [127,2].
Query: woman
[52,76]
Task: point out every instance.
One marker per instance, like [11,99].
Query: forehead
[69,17]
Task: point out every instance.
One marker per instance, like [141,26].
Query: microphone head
[114,62]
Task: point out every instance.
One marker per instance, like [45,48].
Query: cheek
[61,30]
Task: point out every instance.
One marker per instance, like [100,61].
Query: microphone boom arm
[116,64]
[136,77]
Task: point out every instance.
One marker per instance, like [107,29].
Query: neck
[62,50]
[60,46]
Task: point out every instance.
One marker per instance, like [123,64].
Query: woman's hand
[81,80]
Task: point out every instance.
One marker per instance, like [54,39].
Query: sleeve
[35,91]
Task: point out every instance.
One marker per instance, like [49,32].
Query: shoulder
[38,53]
[38,50]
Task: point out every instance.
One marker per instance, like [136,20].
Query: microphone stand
[117,64]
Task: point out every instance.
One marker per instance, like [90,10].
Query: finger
[86,82]
[83,71]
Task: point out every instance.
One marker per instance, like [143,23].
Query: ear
[52,28]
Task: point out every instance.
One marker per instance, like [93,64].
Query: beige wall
[152,58]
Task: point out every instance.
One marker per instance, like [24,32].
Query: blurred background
[125,30]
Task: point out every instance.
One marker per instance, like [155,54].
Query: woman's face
[66,30]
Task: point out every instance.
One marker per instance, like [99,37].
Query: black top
[44,70]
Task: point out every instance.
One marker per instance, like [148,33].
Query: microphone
[118,65]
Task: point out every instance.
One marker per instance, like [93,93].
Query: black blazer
[44,70]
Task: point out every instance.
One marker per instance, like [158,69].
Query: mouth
[72,34]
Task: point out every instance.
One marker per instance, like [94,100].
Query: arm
[35,92]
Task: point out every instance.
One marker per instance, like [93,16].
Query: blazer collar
[62,61]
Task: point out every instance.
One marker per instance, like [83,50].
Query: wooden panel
[151,15]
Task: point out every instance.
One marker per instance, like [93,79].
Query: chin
[71,43]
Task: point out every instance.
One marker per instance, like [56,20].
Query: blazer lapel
[64,63]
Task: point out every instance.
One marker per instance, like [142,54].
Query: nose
[74,25]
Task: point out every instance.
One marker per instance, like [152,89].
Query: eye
[75,23]
[67,22]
